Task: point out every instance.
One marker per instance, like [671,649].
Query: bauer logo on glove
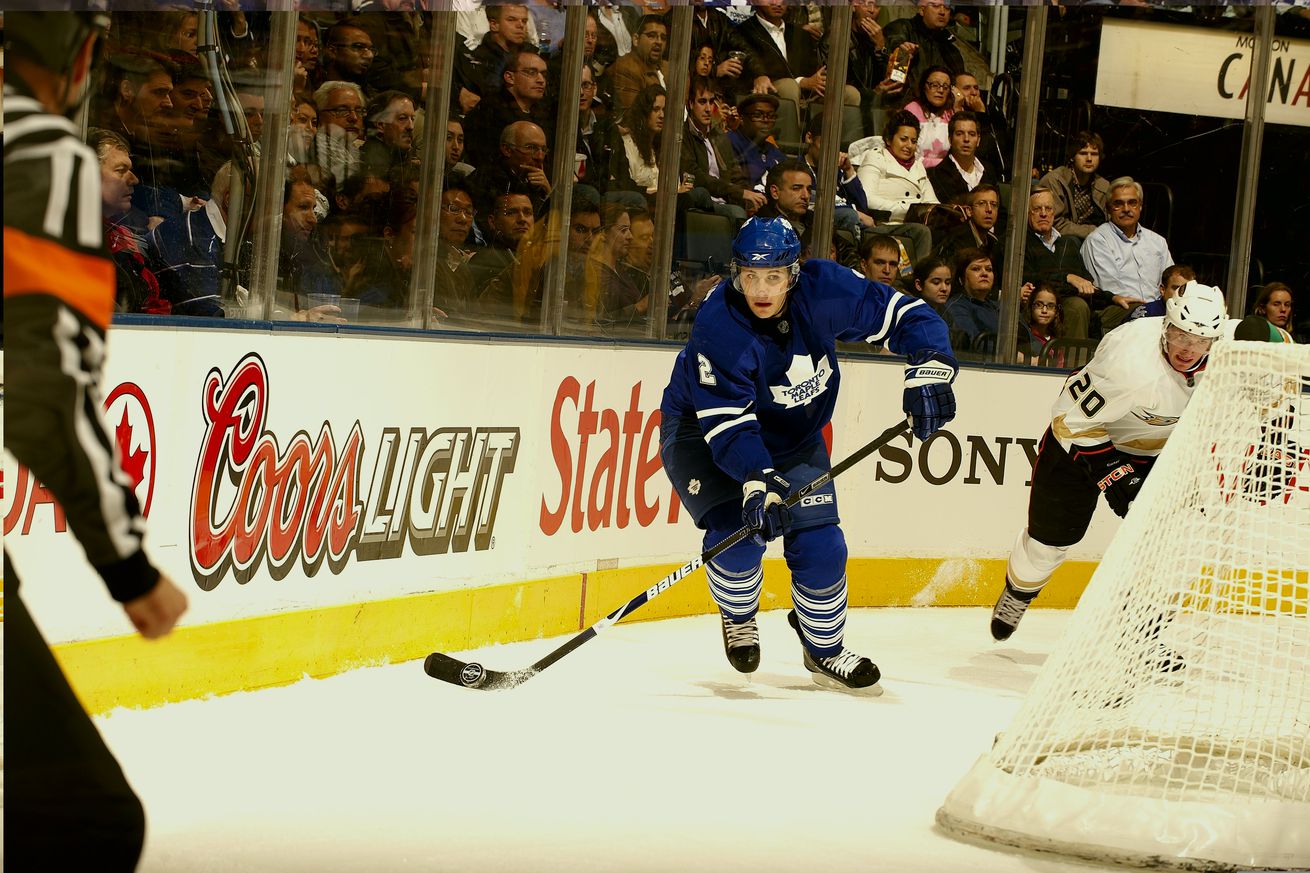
[929,401]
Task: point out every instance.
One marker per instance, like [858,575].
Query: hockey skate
[844,671]
[741,643]
[1009,610]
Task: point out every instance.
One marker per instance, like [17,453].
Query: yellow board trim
[271,650]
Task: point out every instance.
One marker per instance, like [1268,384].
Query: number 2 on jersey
[1091,401]
[706,373]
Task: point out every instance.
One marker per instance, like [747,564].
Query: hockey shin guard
[817,560]
[737,576]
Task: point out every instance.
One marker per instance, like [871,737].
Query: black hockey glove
[762,508]
[1275,467]
[929,401]
[1116,475]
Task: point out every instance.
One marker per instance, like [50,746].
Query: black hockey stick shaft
[474,675]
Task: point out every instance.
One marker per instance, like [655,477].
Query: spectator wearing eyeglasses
[454,281]
[1040,322]
[980,231]
[642,67]
[519,163]
[401,36]
[594,142]
[752,142]
[307,53]
[929,32]
[341,129]
[390,144]
[521,98]
[347,52]
[1054,260]
[933,107]
[1123,258]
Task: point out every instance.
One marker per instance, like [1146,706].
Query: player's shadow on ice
[774,686]
[1005,668]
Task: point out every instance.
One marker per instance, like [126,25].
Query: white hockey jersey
[1128,394]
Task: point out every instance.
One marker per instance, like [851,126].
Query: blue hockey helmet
[766,242]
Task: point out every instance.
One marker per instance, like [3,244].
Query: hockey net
[1170,728]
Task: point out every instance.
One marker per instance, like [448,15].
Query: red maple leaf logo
[132,462]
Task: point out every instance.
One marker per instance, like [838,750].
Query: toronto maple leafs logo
[693,487]
[805,381]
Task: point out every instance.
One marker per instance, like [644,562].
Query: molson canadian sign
[1197,71]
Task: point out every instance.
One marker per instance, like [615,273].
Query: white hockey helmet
[1197,309]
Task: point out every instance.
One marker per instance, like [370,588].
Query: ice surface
[642,751]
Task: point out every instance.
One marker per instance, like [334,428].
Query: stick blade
[469,674]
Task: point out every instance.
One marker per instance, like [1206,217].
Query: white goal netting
[1171,726]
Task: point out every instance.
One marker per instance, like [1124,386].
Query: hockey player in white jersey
[742,423]
[1111,420]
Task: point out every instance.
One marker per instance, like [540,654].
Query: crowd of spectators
[918,201]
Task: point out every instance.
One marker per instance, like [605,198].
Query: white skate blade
[874,690]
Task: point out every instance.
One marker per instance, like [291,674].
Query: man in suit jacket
[644,65]
[785,60]
[707,154]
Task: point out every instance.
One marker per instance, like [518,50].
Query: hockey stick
[474,675]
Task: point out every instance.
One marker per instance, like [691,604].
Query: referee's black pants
[67,805]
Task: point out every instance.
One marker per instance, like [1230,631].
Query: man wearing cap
[753,142]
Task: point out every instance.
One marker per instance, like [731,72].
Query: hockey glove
[762,508]
[1117,477]
[929,401]
[1273,469]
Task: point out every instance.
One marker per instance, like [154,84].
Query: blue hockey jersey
[764,388]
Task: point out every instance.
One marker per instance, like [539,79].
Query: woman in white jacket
[894,180]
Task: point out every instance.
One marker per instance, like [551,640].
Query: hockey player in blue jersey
[742,418]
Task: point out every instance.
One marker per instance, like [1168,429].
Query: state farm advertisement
[284,471]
